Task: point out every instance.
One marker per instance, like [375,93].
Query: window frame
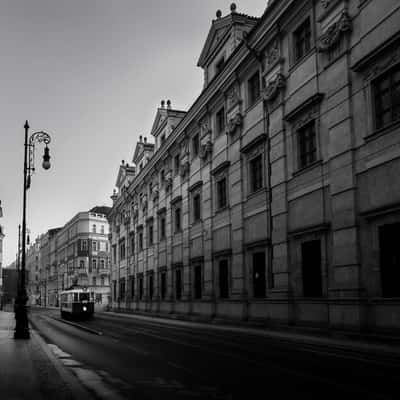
[252,98]
[301,130]
[250,162]
[218,181]
[389,73]
[295,36]
[220,121]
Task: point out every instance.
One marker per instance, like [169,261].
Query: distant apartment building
[76,254]
[276,196]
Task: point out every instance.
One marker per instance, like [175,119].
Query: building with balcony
[276,196]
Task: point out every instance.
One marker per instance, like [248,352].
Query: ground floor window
[178,284]
[140,283]
[115,290]
[132,287]
[163,285]
[311,268]
[151,286]
[223,278]
[198,282]
[259,281]
[389,252]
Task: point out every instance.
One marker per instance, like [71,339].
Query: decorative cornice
[195,186]
[332,36]
[253,142]
[274,86]
[220,167]
[176,199]
[316,98]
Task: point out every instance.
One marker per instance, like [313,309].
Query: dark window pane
[221,193]
[223,279]
[197,282]
[163,285]
[259,282]
[307,144]
[302,40]
[311,268]
[256,175]
[389,250]
[178,284]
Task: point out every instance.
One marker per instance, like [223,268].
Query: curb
[82,327]
[78,390]
[367,351]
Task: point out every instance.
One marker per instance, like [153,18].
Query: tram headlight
[84,308]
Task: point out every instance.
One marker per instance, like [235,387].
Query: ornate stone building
[276,196]
[76,254]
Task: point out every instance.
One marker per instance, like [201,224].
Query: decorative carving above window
[135,211]
[332,36]
[155,194]
[144,203]
[185,168]
[206,150]
[272,56]
[204,128]
[233,97]
[274,86]
[234,123]
[383,64]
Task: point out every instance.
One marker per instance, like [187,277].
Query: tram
[76,302]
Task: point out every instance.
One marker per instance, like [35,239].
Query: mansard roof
[221,29]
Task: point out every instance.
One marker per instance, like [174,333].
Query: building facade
[76,254]
[276,196]
[1,259]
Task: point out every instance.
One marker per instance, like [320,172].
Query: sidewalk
[334,341]
[28,370]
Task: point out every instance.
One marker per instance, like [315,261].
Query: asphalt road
[140,359]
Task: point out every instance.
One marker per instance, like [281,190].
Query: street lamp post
[21,314]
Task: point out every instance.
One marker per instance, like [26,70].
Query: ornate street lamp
[21,314]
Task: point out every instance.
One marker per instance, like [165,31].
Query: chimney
[140,138]
[162,103]
[168,104]
[145,139]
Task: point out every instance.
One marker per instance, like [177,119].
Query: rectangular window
[196,207]
[178,284]
[94,245]
[150,233]
[254,88]
[163,285]
[94,263]
[132,287]
[197,282]
[259,282]
[389,252]
[311,268]
[307,144]
[386,91]
[102,264]
[114,247]
[102,281]
[256,174]
[302,40]
[223,279]
[122,249]
[84,245]
[94,281]
[177,164]
[140,241]
[122,289]
[102,229]
[141,288]
[221,193]
[151,286]
[219,66]
[177,217]
[115,290]
[195,145]
[94,228]
[162,227]
[132,243]
[220,121]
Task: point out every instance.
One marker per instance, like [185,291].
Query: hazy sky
[91,73]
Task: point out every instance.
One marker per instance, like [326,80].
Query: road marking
[58,352]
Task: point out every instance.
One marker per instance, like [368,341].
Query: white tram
[76,302]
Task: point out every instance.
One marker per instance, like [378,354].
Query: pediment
[219,30]
[159,120]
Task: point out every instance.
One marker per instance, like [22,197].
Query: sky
[91,73]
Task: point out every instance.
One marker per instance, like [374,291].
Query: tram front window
[84,296]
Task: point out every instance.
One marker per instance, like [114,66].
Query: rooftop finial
[218,14]
[123,162]
[162,103]
[168,104]
[145,139]
[233,8]
[140,138]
